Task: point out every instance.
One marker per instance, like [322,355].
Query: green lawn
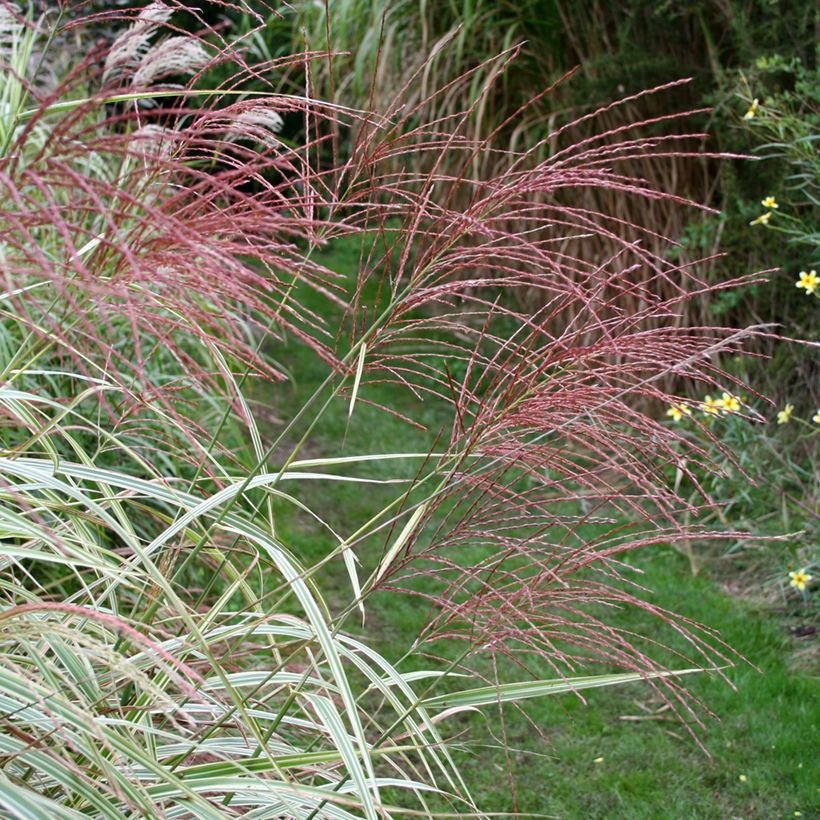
[590,762]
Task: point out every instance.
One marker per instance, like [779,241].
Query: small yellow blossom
[799,578]
[677,411]
[769,202]
[809,281]
[742,778]
[598,760]
[728,403]
[752,110]
[816,417]
[763,219]
[785,414]
[798,814]
[710,406]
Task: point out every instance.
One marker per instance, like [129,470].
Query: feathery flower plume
[175,56]
[130,47]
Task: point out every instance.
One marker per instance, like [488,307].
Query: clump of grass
[164,651]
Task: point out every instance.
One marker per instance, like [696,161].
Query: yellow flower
[816,417]
[769,202]
[677,411]
[799,579]
[809,281]
[785,414]
[763,219]
[598,760]
[710,406]
[728,403]
[742,778]
[752,110]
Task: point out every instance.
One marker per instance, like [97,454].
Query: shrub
[770,483]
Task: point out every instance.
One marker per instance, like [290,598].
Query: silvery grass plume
[130,49]
[165,651]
